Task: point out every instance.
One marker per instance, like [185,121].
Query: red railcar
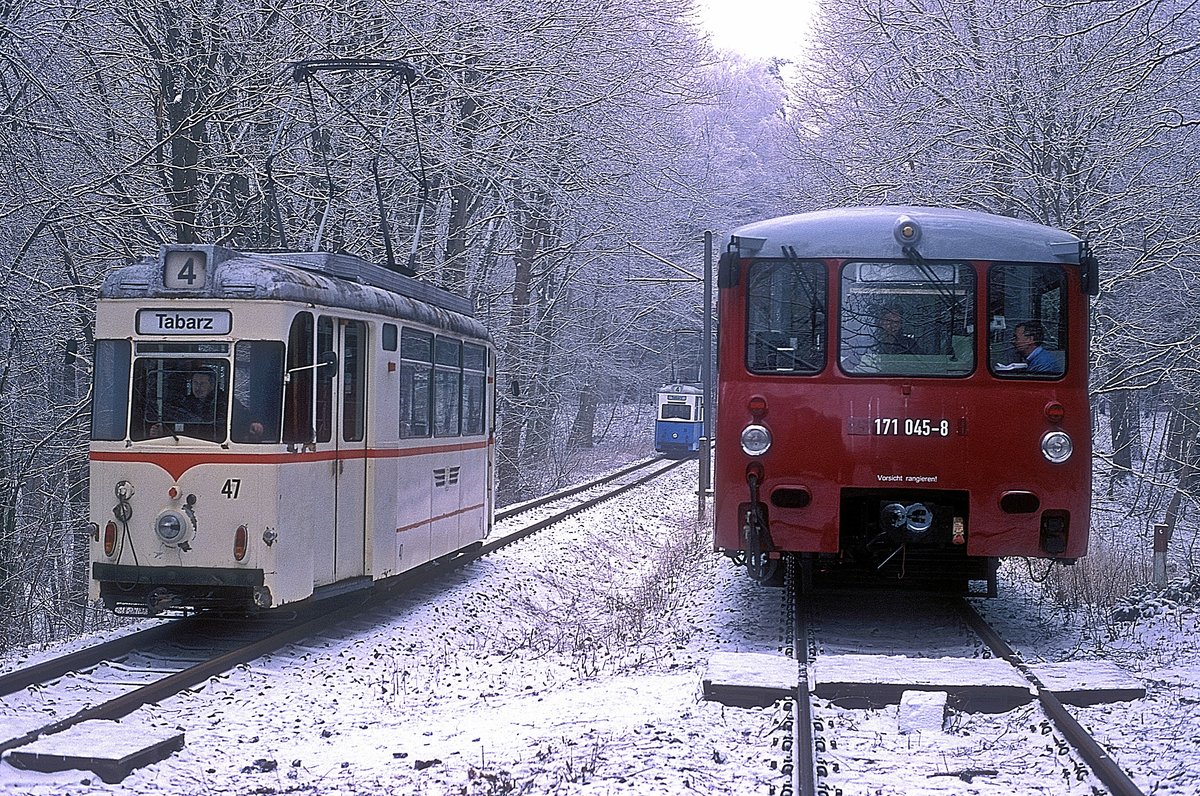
[903,391]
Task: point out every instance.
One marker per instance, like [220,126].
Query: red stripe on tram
[176,464]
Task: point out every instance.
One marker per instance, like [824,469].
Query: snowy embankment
[571,663]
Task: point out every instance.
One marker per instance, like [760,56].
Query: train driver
[1027,340]
[892,337]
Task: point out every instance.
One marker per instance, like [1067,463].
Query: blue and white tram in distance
[270,426]
[679,420]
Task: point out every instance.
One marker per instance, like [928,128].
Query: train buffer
[111,749]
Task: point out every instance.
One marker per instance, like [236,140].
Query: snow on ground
[571,663]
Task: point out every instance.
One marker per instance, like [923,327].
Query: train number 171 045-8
[911,427]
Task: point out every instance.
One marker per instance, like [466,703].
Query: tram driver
[200,411]
[196,408]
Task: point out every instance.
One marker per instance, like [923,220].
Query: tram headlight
[756,440]
[1057,446]
[172,527]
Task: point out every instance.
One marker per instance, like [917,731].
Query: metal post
[706,362]
[702,493]
[1162,537]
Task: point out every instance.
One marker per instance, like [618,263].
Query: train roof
[320,278]
[873,232]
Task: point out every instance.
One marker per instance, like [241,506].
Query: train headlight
[756,440]
[1057,446]
[172,527]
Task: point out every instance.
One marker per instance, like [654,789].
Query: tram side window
[786,317]
[1027,321]
[354,382]
[474,388]
[325,376]
[447,388]
[416,377]
[257,390]
[110,389]
[298,397]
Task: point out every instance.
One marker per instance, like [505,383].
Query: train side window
[110,389]
[325,376]
[447,388]
[389,337]
[786,317]
[354,383]
[474,388]
[257,391]
[416,377]
[298,397]
[1027,321]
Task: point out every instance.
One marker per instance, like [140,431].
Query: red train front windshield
[901,319]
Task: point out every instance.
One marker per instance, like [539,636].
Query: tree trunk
[1123,423]
[584,428]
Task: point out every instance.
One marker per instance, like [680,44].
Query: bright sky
[758,28]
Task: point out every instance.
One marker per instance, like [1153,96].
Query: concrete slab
[109,748]
[859,681]
[750,679]
[1084,683]
[922,711]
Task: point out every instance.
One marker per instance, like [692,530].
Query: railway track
[835,748]
[112,679]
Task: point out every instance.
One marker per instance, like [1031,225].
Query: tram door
[349,411]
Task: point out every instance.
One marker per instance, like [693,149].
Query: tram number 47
[232,487]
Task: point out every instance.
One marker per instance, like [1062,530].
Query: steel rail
[1102,764]
[804,758]
[520,508]
[496,544]
[175,683]
[89,657]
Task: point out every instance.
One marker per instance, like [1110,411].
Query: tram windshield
[676,412]
[180,397]
[910,319]
[179,391]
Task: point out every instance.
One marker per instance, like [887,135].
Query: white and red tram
[267,426]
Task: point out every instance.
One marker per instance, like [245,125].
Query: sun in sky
[758,28]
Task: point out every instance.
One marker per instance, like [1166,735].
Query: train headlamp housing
[1057,446]
[756,440]
[173,527]
[906,231]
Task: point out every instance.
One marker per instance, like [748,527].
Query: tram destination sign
[166,321]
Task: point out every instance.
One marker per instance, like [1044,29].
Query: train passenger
[1027,339]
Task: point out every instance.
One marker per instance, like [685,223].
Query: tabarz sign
[207,322]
